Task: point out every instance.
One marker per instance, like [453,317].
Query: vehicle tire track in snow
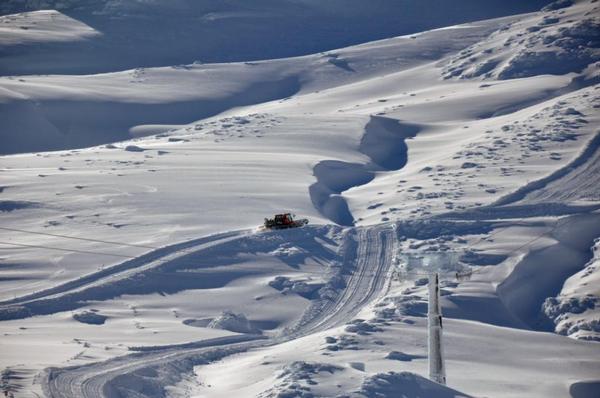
[98,379]
[370,277]
[68,294]
[149,372]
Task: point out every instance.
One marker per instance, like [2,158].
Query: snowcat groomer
[284,220]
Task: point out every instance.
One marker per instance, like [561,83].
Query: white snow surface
[132,263]
[151,33]
[45,26]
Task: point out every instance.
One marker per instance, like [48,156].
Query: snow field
[147,276]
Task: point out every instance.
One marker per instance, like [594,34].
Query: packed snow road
[370,274]
[366,271]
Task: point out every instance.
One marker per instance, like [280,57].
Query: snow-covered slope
[151,33]
[135,268]
[42,27]
[560,40]
[66,111]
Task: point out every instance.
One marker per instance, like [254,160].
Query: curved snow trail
[94,380]
[147,373]
[161,254]
[67,295]
[370,276]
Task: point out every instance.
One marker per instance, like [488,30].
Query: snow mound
[90,317]
[297,377]
[304,288]
[233,322]
[300,370]
[343,342]
[404,384]
[290,254]
[362,327]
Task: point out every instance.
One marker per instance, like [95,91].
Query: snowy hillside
[146,33]
[131,261]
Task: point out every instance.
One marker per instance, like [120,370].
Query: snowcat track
[367,281]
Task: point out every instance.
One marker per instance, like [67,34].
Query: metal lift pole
[437,369]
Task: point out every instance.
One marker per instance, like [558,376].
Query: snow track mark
[368,262]
[108,282]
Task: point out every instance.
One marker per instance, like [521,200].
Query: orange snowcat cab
[284,220]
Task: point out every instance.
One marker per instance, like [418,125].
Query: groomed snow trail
[105,379]
[93,286]
[367,269]
[369,278]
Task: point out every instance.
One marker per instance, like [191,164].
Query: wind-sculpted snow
[233,322]
[288,380]
[384,143]
[574,311]
[577,181]
[550,267]
[559,40]
[334,177]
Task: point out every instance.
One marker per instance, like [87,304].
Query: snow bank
[406,385]
[550,265]
[576,310]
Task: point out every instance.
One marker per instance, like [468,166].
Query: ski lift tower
[437,367]
[436,265]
